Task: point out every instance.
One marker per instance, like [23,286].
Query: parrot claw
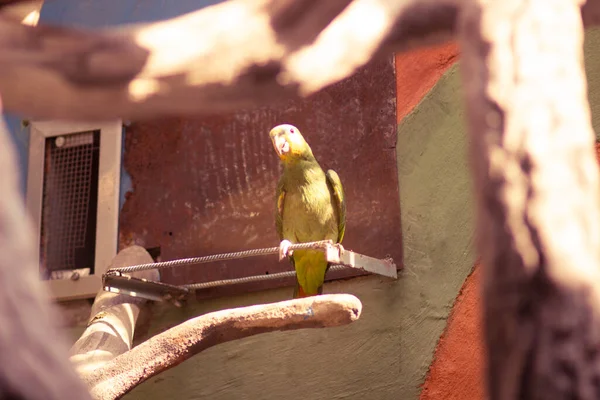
[284,249]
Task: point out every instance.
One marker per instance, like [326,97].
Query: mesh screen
[70,202]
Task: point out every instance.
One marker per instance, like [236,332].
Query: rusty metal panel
[206,185]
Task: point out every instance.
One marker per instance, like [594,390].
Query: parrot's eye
[292,130]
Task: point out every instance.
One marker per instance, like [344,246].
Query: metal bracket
[336,254]
[116,282]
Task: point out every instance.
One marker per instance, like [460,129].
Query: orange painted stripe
[456,372]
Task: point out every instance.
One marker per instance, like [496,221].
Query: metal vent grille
[69,205]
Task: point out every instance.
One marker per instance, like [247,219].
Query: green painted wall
[592,68]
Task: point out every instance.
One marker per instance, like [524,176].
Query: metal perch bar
[254,278]
[116,280]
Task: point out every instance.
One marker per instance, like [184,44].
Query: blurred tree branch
[33,362]
[235,54]
[536,182]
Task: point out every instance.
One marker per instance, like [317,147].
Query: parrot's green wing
[280,197]
[335,184]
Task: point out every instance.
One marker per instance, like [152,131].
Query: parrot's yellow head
[289,143]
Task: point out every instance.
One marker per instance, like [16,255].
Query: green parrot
[310,206]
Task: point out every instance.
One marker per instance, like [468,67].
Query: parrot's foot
[284,249]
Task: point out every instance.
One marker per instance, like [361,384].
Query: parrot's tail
[299,292]
[311,267]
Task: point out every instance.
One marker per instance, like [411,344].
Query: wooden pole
[113,317]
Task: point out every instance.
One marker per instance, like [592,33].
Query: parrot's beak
[281,145]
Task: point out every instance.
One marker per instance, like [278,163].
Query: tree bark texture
[536,182]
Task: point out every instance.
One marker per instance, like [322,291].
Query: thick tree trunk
[536,180]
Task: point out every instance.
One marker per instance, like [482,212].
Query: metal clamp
[116,282]
[336,254]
